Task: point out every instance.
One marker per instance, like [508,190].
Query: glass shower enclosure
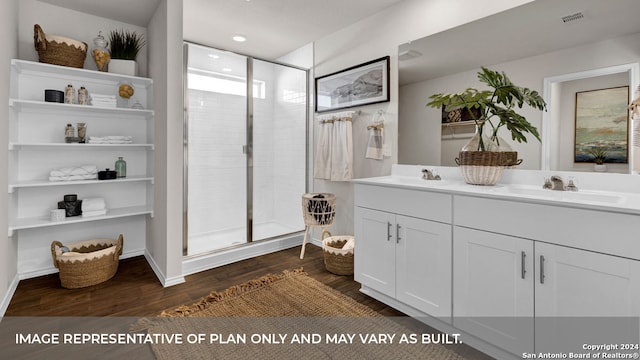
[245,149]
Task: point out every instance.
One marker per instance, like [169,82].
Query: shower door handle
[244,149]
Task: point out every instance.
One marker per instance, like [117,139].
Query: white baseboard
[8,295]
[166,282]
[210,261]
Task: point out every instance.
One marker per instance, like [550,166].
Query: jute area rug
[286,316]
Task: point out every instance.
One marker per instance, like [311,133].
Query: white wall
[375,37]
[60,21]
[8,247]
[165,230]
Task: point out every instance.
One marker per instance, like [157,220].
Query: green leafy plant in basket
[125,45]
[497,107]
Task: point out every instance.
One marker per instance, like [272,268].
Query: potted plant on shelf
[599,156]
[124,46]
[485,156]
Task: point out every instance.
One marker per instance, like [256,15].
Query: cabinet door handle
[398,227]
[522,269]
[388,231]
[541,269]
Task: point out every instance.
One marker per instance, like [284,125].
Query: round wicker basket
[59,50]
[483,167]
[318,209]
[337,259]
[87,262]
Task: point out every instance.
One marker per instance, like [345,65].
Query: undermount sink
[577,196]
[412,181]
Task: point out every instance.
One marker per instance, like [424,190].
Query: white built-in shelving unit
[37,146]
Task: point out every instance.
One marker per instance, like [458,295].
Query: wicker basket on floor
[87,262]
[58,50]
[337,260]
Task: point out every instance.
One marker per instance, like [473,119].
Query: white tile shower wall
[217,166]
[289,146]
[263,142]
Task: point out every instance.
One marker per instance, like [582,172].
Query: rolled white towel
[93,204]
[82,177]
[350,244]
[89,169]
[61,172]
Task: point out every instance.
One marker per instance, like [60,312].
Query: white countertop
[519,185]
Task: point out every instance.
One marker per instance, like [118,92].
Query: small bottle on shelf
[69,95]
[83,96]
[121,168]
[69,131]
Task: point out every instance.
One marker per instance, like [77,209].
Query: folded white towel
[93,204]
[67,171]
[110,142]
[73,177]
[112,139]
[94,213]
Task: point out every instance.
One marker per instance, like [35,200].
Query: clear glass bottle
[69,131]
[69,95]
[100,53]
[121,168]
[83,96]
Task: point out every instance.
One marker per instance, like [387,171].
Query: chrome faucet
[555,182]
[428,175]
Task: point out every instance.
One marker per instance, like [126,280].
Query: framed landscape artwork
[359,85]
[602,122]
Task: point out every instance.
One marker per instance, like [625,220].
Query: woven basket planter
[59,50]
[88,262]
[485,167]
[318,209]
[337,260]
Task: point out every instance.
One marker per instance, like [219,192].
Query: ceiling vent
[572,17]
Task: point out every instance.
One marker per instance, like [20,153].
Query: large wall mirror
[558,47]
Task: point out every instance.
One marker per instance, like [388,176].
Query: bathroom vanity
[501,264]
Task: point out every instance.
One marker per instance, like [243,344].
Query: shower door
[245,149]
[279,150]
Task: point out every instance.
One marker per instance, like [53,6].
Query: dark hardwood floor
[135,290]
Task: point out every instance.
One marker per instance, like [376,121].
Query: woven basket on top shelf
[318,209]
[338,259]
[87,262]
[58,50]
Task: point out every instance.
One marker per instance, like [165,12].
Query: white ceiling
[136,12]
[524,31]
[273,27]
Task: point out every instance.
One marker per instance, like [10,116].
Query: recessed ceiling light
[214,56]
[239,38]
[226,70]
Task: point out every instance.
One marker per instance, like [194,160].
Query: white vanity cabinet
[501,261]
[400,252]
[493,288]
[583,284]
[37,145]
[515,274]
